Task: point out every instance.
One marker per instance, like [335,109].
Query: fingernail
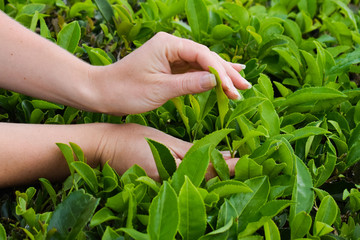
[208,81]
[238,96]
[243,66]
[248,85]
[227,85]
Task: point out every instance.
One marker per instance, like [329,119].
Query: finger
[237,79]
[233,69]
[238,66]
[187,83]
[232,163]
[190,51]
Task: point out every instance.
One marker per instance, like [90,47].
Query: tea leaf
[328,211]
[192,212]
[303,195]
[247,168]
[197,16]
[2,232]
[165,162]
[49,189]
[86,173]
[229,187]
[101,216]
[69,36]
[164,214]
[222,99]
[271,230]
[300,225]
[71,215]
[219,164]
[244,107]
[105,9]
[195,172]
[220,233]
[135,234]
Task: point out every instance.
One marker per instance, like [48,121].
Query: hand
[124,145]
[163,68]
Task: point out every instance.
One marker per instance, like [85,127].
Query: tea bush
[296,132]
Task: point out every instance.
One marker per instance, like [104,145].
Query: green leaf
[271,231]
[219,164]
[302,195]
[307,132]
[247,168]
[353,154]
[110,234]
[2,6]
[2,232]
[213,138]
[119,202]
[321,229]
[86,173]
[300,225]
[265,86]
[222,99]
[328,211]
[220,233]
[101,216]
[164,160]
[313,76]
[78,152]
[194,166]
[248,204]
[192,223]
[36,116]
[135,234]
[197,17]
[164,214]
[312,94]
[68,154]
[269,118]
[149,182]
[229,187]
[47,185]
[349,13]
[245,106]
[221,31]
[69,36]
[105,9]
[46,105]
[71,216]
[97,56]
[344,63]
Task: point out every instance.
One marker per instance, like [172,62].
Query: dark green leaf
[71,216]
[105,9]
[165,162]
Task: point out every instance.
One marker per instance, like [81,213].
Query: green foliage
[295,133]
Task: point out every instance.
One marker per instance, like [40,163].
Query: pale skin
[163,68]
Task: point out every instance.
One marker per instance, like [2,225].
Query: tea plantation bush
[296,132]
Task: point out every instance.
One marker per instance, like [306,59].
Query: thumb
[189,83]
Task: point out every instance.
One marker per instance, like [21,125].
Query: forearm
[32,65]
[29,152]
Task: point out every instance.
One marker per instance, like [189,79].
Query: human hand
[163,68]
[124,145]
